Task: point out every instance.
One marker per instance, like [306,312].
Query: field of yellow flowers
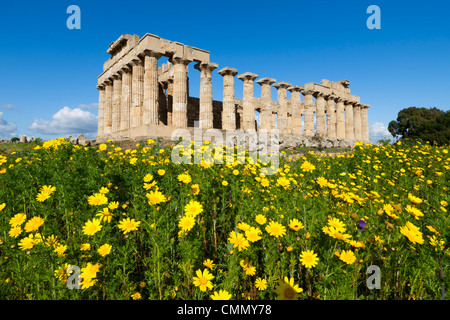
[105,223]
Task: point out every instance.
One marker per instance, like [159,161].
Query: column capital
[125,68]
[330,96]
[206,65]
[136,62]
[266,81]
[350,102]
[295,88]
[247,76]
[228,71]
[151,53]
[177,60]
[282,85]
[366,106]
[117,75]
[339,99]
[320,94]
[101,86]
[307,91]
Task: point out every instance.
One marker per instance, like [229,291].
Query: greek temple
[139,98]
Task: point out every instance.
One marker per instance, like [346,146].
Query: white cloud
[90,106]
[7,129]
[8,106]
[67,121]
[378,131]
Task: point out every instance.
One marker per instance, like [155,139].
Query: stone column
[180,93]
[107,108]
[126,98]
[331,117]
[248,108]
[340,118]
[206,96]
[151,88]
[308,112]
[117,92]
[320,114]
[101,101]
[296,110]
[137,91]
[169,101]
[349,133]
[365,123]
[265,116]
[282,115]
[357,122]
[228,105]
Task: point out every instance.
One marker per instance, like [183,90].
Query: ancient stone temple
[139,98]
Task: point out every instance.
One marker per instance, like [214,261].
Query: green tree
[426,124]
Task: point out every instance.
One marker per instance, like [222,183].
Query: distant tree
[15,139]
[425,124]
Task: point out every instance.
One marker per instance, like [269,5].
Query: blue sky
[49,73]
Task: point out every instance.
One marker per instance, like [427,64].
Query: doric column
[137,91]
[349,133]
[180,93]
[265,116]
[357,121]
[296,110]
[206,96]
[320,114]
[228,105]
[151,88]
[101,101]
[331,117]
[282,114]
[308,112]
[169,101]
[107,108]
[126,98]
[248,108]
[340,118]
[117,92]
[365,123]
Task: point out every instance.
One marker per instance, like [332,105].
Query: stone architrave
[295,124]
[206,95]
[137,91]
[180,92]
[331,116]
[116,105]
[349,133]
[340,118]
[357,122]
[126,98]
[248,108]
[228,104]
[150,106]
[265,116]
[101,103]
[320,114]
[282,114]
[308,112]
